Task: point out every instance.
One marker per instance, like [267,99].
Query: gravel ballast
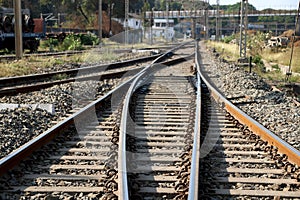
[274,109]
[20,125]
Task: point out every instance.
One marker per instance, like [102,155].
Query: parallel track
[143,144]
[21,84]
[43,54]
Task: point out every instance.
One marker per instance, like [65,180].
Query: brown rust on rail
[292,156]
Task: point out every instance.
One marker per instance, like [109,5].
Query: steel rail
[95,76]
[15,157]
[283,147]
[72,72]
[38,86]
[122,158]
[44,54]
[194,178]
[27,149]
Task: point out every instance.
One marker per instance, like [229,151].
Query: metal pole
[243,29]
[206,24]
[100,20]
[289,72]
[217,21]
[110,33]
[193,15]
[250,64]
[58,19]
[167,22]
[18,29]
[126,20]
[151,29]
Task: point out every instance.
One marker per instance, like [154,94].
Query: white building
[163,28]
[133,23]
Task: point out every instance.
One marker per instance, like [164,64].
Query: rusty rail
[283,147]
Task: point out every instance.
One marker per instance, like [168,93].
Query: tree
[146,7]
[6,3]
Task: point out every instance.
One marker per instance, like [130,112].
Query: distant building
[185,28]
[133,23]
[163,28]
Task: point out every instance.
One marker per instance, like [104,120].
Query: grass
[231,53]
[60,77]
[95,57]
[283,58]
[31,65]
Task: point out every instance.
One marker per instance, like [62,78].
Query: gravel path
[273,109]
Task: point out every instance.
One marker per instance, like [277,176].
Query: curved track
[82,160]
[159,130]
[144,143]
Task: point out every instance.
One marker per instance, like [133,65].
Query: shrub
[48,42]
[257,59]
[71,42]
[228,39]
[89,39]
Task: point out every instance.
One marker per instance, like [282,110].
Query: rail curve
[166,133]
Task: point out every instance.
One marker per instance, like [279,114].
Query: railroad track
[21,84]
[240,159]
[144,143]
[239,163]
[43,54]
[82,160]
[159,134]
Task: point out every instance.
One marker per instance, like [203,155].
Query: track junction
[163,133]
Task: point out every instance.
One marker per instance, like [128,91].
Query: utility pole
[100,20]
[206,24]
[167,22]
[111,7]
[297,33]
[126,20]
[218,21]
[18,29]
[193,15]
[243,29]
[151,29]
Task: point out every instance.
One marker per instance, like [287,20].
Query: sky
[262,4]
